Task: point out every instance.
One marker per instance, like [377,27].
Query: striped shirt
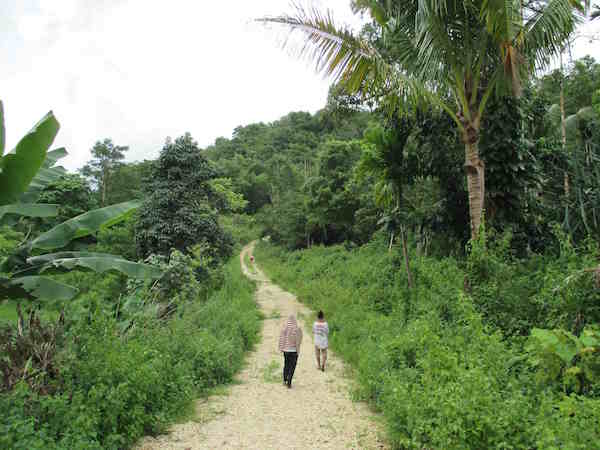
[290,337]
[321,333]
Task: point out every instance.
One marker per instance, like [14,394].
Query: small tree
[106,157]
[180,210]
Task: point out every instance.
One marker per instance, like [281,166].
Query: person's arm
[280,344]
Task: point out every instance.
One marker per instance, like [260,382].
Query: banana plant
[24,173]
[24,169]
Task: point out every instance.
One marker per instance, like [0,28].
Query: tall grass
[425,358]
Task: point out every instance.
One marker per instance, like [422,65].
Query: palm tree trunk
[475,170]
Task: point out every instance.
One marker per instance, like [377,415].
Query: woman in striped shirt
[290,340]
[321,334]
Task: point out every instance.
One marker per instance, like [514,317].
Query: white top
[321,333]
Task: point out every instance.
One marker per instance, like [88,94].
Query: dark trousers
[289,366]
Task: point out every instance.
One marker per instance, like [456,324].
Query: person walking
[321,335]
[290,340]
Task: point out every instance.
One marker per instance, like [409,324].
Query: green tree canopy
[181,205]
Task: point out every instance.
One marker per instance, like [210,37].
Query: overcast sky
[138,71]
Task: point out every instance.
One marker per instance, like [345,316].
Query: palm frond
[350,60]
[335,50]
[547,30]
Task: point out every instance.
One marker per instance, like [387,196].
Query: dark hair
[320,315]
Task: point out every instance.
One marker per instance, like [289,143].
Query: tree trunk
[391,242]
[475,170]
[405,254]
[563,129]
[104,183]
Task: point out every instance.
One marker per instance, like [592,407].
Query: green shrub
[544,291]
[427,358]
[116,387]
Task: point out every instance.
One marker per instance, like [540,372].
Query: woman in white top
[321,334]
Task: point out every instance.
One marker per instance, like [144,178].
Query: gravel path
[258,412]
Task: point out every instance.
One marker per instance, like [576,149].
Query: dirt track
[258,412]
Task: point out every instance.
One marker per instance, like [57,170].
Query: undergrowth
[115,386]
[443,374]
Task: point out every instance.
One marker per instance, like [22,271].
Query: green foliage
[511,170]
[73,195]
[83,225]
[23,270]
[29,170]
[185,277]
[231,201]
[115,388]
[9,240]
[425,358]
[517,294]
[180,208]
[268,161]
[126,181]
[118,239]
[19,168]
[28,210]
[243,228]
[330,204]
[561,358]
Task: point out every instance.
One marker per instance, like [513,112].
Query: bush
[426,358]
[544,291]
[117,387]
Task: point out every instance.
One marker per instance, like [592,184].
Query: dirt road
[258,412]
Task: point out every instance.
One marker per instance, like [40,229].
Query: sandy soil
[259,412]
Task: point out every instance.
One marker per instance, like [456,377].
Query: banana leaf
[84,225]
[36,287]
[97,262]
[19,167]
[49,257]
[53,156]
[29,210]
[46,175]
[42,179]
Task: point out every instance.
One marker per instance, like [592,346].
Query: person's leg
[324,357]
[293,361]
[318,355]
[285,367]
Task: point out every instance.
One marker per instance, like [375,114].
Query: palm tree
[452,54]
